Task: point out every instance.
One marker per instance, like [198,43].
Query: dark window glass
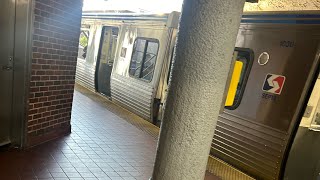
[239,77]
[144,58]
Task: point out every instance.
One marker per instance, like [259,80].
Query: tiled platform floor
[102,145]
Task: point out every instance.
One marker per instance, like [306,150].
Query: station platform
[107,142]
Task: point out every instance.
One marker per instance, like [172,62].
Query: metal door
[7,17]
[105,59]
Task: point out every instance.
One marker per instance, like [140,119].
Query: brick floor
[102,145]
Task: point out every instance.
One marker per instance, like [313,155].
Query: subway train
[128,58]
[270,125]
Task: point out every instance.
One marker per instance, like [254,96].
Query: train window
[239,77]
[144,58]
[83,44]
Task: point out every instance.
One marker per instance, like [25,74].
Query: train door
[6,68]
[304,157]
[106,57]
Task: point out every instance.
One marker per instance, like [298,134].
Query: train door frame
[163,86]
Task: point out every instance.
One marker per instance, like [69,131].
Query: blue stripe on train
[282,16]
[281,21]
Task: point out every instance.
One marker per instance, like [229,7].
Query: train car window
[143,60]
[233,86]
[239,77]
[83,44]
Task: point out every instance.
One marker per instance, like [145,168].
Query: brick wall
[55,46]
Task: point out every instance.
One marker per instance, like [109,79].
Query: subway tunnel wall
[56,29]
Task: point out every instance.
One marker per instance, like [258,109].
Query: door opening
[106,57]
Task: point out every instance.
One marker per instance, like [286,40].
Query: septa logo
[273,83]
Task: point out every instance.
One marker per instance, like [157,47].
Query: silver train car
[270,125]
[275,69]
[127,58]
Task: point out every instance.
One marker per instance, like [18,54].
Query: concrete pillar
[205,44]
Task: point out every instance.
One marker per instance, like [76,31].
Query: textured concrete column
[206,40]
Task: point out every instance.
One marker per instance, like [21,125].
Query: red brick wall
[55,46]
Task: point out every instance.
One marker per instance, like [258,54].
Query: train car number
[287,44]
[269,96]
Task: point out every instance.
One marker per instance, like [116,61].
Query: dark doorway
[106,57]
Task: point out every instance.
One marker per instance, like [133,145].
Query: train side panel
[86,67]
[254,135]
[133,93]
